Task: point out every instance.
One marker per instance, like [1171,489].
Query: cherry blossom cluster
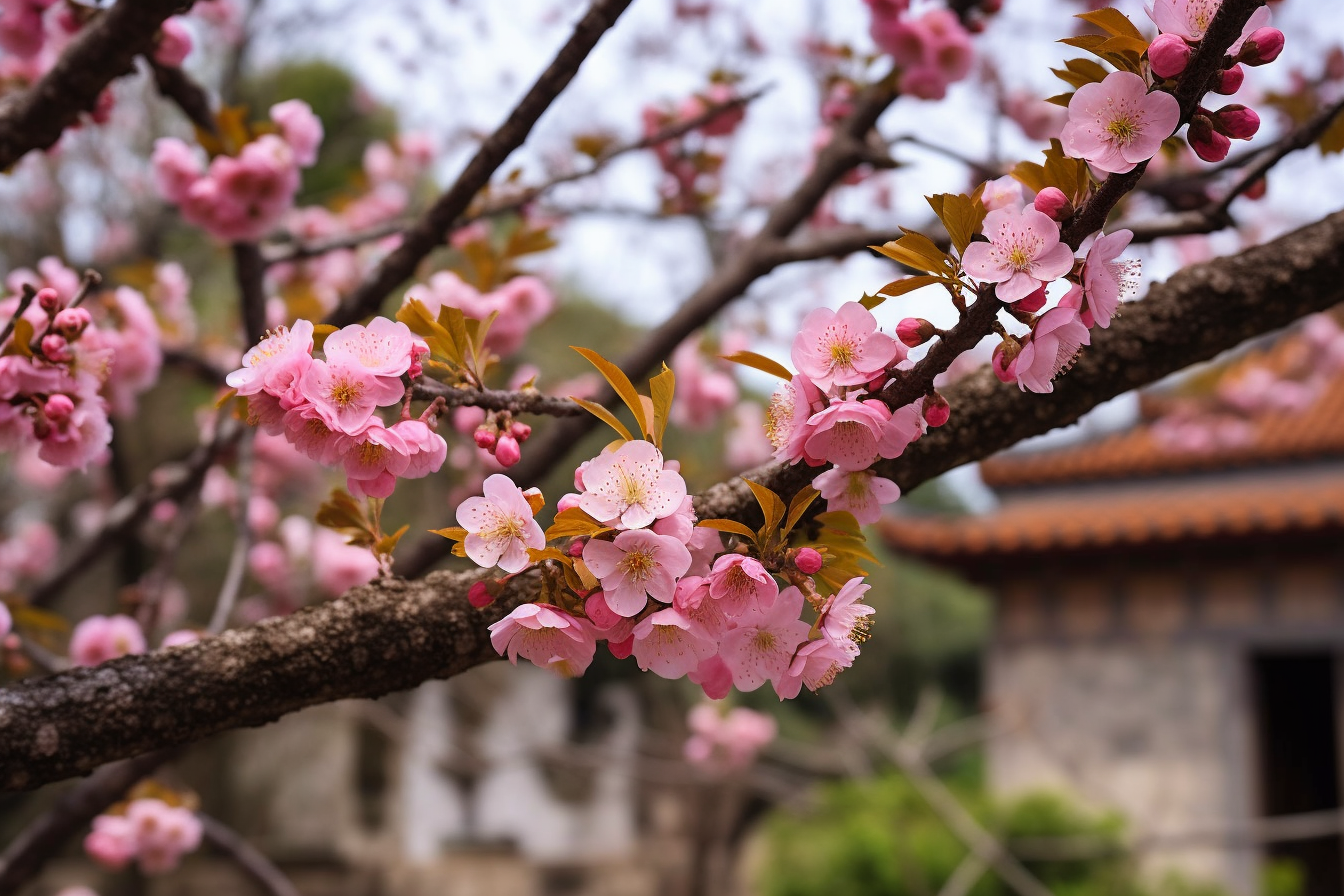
[829,413]
[150,831]
[1182,25]
[62,371]
[328,407]
[521,302]
[727,740]
[242,196]
[692,163]
[933,49]
[651,583]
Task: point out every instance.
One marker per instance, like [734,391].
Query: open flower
[1023,252]
[547,636]
[763,644]
[1117,123]
[630,487]
[637,565]
[739,583]
[1055,341]
[670,645]
[1108,279]
[844,621]
[860,492]
[842,348]
[500,526]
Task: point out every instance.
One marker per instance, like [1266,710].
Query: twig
[183,90]
[528,402]
[432,228]
[249,271]
[27,294]
[510,203]
[253,861]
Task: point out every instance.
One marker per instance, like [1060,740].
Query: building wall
[1129,687]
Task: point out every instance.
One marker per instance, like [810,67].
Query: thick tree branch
[432,229]
[105,49]
[393,634]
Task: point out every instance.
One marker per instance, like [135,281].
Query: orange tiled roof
[1083,518]
[1276,438]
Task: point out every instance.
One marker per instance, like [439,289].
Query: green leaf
[661,389]
[731,526]
[761,363]
[621,384]
[604,415]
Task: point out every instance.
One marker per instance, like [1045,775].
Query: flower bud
[1236,121]
[55,348]
[485,439]
[1053,203]
[1228,81]
[1264,45]
[936,409]
[507,451]
[478,595]
[58,408]
[1207,143]
[1004,362]
[49,300]
[808,561]
[567,502]
[914,331]
[1168,55]
[1032,302]
[1255,190]
[520,431]
[71,322]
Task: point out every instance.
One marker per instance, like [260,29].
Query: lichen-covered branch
[394,634]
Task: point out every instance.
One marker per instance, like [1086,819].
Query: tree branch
[394,634]
[105,49]
[432,229]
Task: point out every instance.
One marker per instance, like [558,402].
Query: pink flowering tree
[223,337]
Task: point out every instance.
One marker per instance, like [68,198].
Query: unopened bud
[520,431]
[915,331]
[58,408]
[1228,81]
[1168,55]
[71,322]
[478,595]
[1053,203]
[1207,143]
[1264,45]
[55,348]
[936,409]
[507,451]
[1004,362]
[485,439]
[808,561]
[567,502]
[1236,121]
[49,300]
[1255,190]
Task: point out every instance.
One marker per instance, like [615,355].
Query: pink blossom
[1055,342]
[301,129]
[762,645]
[163,833]
[6,621]
[111,843]
[176,168]
[98,639]
[848,433]
[630,487]
[264,365]
[636,565]
[174,43]
[842,348]
[548,636]
[1107,279]
[383,348]
[373,459]
[180,637]
[808,561]
[860,492]
[425,449]
[1168,55]
[78,439]
[692,598]
[668,644]
[739,583]
[1005,192]
[1023,252]
[844,621]
[500,525]
[1052,203]
[679,525]
[345,395]
[1117,123]
[1190,19]
[816,665]
[787,419]
[337,566]
[703,392]
[714,677]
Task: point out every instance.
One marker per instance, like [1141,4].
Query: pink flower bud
[1004,362]
[914,331]
[59,408]
[71,322]
[479,596]
[1207,143]
[566,502]
[485,439]
[49,300]
[174,43]
[1236,121]
[936,409]
[507,451]
[1053,203]
[1264,45]
[55,348]
[1168,55]
[808,561]
[1033,302]
[520,431]
[1228,81]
